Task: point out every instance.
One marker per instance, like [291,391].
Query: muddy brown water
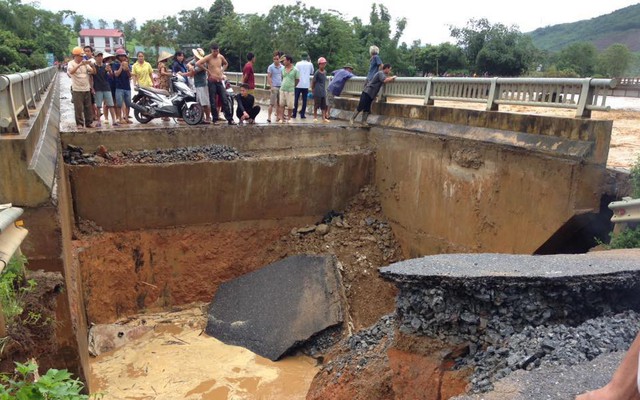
[178,360]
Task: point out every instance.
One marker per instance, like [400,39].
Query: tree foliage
[614,61]
[579,57]
[494,49]
[480,46]
[27,33]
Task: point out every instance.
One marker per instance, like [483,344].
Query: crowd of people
[101,85]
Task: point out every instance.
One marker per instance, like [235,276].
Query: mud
[32,334]
[183,265]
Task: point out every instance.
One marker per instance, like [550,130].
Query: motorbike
[152,103]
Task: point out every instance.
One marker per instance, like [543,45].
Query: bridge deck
[67,117]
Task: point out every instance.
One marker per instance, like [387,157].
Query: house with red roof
[101,39]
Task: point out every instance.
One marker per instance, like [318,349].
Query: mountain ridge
[620,26]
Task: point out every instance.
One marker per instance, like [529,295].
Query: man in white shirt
[305,68]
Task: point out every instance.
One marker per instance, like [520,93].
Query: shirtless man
[215,64]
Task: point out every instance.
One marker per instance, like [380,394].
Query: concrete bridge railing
[20,93]
[581,94]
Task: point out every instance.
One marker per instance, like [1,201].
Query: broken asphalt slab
[278,307]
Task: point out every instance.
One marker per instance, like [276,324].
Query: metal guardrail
[628,81]
[19,93]
[625,210]
[583,95]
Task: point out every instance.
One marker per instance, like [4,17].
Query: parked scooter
[152,103]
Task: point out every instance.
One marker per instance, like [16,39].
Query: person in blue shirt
[340,78]
[122,73]
[179,67]
[375,64]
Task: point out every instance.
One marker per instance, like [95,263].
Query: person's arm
[134,75]
[245,76]
[390,79]
[73,68]
[313,82]
[223,63]
[269,78]
[201,61]
[241,109]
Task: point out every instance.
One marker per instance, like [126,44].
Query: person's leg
[212,101]
[296,95]
[323,108]
[127,105]
[287,100]
[624,383]
[303,110]
[273,103]
[88,109]
[100,101]
[119,104]
[227,105]
[253,113]
[316,105]
[361,103]
[239,115]
[77,108]
[330,101]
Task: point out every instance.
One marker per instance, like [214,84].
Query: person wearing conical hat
[164,74]
[199,73]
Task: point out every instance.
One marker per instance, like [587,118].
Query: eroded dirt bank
[124,273]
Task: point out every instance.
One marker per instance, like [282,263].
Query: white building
[101,39]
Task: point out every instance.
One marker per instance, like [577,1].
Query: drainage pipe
[8,216]
[11,234]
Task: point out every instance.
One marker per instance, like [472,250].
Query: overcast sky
[427,21]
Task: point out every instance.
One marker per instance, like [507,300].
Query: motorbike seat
[159,91]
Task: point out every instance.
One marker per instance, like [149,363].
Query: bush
[13,288]
[26,384]
[627,239]
[635,179]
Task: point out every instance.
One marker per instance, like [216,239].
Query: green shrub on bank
[13,288]
[627,239]
[635,179]
[25,384]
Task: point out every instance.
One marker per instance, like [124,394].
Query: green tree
[494,48]
[156,33]
[102,24]
[78,23]
[215,18]
[130,29]
[579,57]
[615,61]
[191,23]
[442,58]
[27,33]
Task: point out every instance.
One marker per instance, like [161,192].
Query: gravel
[551,346]
[76,156]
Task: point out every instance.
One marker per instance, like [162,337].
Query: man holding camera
[80,70]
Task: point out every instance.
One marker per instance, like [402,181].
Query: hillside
[621,26]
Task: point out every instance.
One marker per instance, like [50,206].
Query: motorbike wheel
[192,115]
[143,119]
